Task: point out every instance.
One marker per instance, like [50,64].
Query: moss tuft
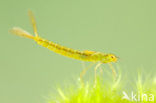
[106,92]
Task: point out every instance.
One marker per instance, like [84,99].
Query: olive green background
[29,72]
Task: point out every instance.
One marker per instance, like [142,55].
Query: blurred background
[29,72]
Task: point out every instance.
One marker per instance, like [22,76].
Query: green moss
[106,91]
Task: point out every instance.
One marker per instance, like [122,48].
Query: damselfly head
[109,58]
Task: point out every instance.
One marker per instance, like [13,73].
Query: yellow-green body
[68,52]
[86,55]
